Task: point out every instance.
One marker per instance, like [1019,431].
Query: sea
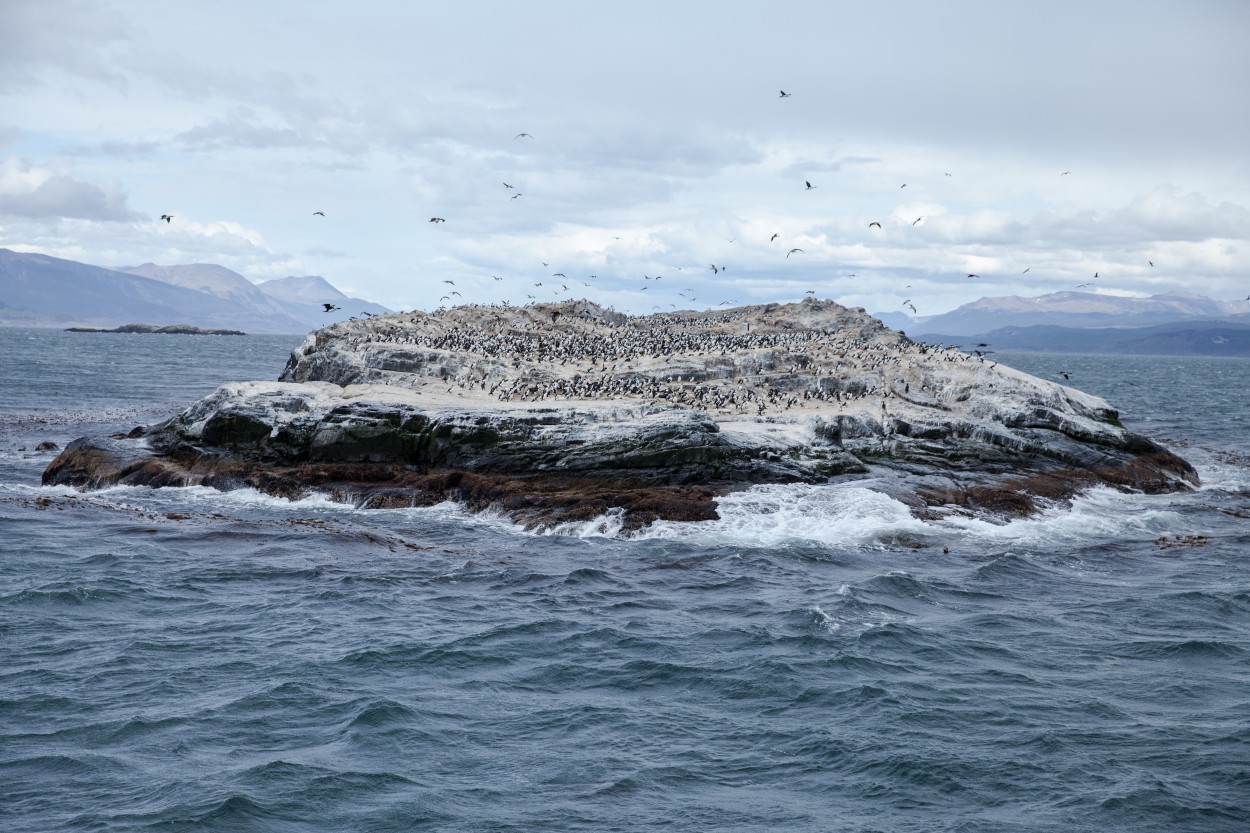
[815,660]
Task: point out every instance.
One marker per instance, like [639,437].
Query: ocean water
[183,659]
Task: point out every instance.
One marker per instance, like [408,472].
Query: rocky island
[169,329]
[557,412]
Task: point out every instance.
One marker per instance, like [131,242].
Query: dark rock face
[940,432]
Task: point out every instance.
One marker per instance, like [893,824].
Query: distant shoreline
[174,329]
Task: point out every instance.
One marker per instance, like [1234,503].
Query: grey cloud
[64,196]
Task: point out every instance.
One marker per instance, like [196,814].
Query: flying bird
[973,276]
[1151,262]
[522,136]
[1065,374]
[785,94]
[874,223]
[517,194]
[453,283]
[1026,271]
[437,220]
[809,185]
[917,220]
[496,277]
[330,307]
[904,185]
[319,214]
[714,269]
[167,217]
[1065,173]
[912,308]
[774,237]
[792,251]
[506,185]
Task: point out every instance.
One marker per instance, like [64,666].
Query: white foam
[765,516]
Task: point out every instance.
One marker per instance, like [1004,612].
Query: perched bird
[874,223]
[319,214]
[330,307]
[809,185]
[792,251]
[167,217]
[437,220]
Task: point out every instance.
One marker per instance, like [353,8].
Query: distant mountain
[220,282]
[307,295]
[37,290]
[1187,338]
[1079,310]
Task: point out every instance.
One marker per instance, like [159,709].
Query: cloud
[36,193]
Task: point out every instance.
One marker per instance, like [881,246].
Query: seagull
[774,237]
[946,174]
[1065,173]
[437,220]
[785,94]
[810,292]
[453,283]
[167,217]
[1065,374]
[904,185]
[809,185]
[1026,271]
[1095,274]
[912,308]
[496,277]
[973,276]
[792,251]
[319,214]
[506,185]
[517,194]
[1151,262]
[1083,285]
[874,223]
[917,220]
[330,307]
[522,136]
[558,275]
[712,266]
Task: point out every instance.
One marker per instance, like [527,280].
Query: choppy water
[189,660]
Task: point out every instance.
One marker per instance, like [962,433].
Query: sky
[1031,145]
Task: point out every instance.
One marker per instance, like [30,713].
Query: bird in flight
[437,220]
[1065,173]
[946,174]
[792,251]
[874,223]
[167,217]
[506,185]
[496,277]
[319,214]
[453,283]
[517,194]
[774,237]
[1083,285]
[912,308]
[785,94]
[1151,262]
[522,136]
[917,220]
[714,268]
[904,185]
[1026,271]
[1065,374]
[330,307]
[973,276]
[809,185]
